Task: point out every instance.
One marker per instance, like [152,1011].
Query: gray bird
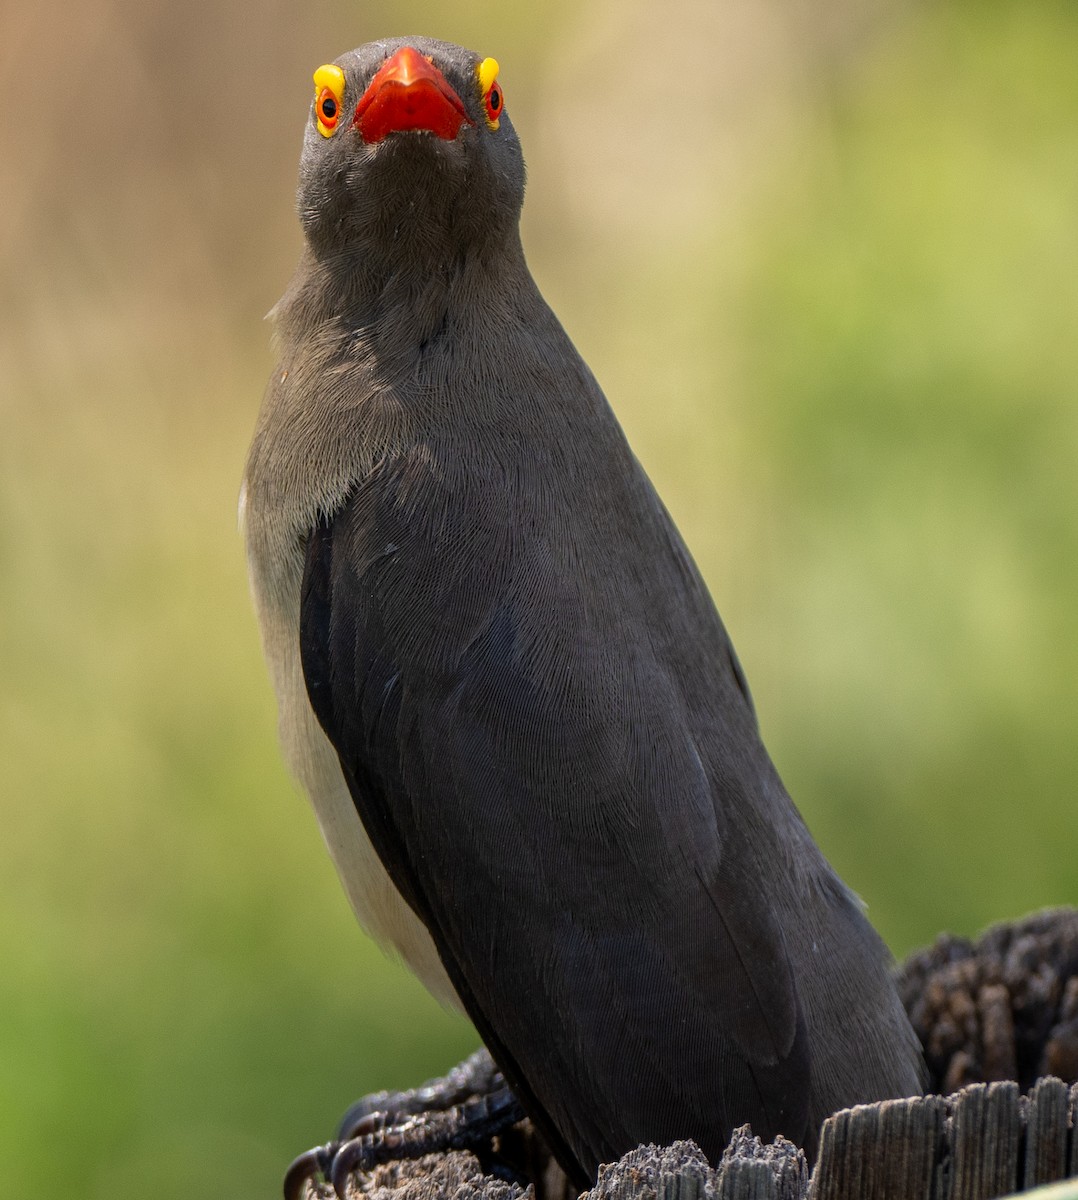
[502,680]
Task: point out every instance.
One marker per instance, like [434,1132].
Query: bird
[502,679]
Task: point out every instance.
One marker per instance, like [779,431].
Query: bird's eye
[494,106]
[328,95]
[327,108]
[491,91]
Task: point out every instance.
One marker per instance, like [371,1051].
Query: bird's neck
[389,301]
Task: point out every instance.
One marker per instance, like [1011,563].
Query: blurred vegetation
[825,264]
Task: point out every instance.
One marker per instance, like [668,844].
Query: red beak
[409,92]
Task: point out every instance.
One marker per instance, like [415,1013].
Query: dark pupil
[495,100]
[329,108]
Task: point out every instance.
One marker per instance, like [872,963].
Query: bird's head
[408,146]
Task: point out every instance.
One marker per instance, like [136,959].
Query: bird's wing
[530,777]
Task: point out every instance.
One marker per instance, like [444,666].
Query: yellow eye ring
[490,91]
[328,98]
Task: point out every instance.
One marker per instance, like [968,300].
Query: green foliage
[909,328]
[858,394]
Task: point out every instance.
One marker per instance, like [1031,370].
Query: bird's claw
[370,1138]
[316,1163]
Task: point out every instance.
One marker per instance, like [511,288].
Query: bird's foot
[463,1110]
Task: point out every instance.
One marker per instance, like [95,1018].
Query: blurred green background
[824,260]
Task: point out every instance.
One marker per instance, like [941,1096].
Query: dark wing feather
[560,804]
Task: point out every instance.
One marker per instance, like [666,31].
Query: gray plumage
[503,682]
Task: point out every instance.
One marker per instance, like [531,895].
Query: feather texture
[515,675]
